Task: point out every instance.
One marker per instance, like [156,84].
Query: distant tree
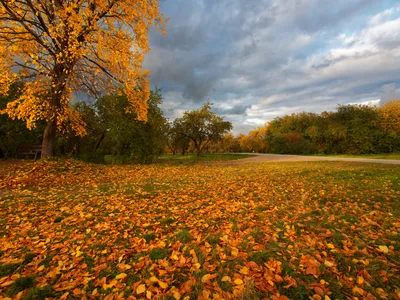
[176,141]
[228,143]
[358,127]
[202,127]
[389,114]
[63,46]
[256,140]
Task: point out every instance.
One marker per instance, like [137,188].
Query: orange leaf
[140,289]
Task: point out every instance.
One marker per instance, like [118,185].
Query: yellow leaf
[330,246]
[162,285]
[383,249]
[140,289]
[121,276]
[40,268]
[234,251]
[226,278]
[238,281]
[148,295]
[176,295]
[358,290]
[196,266]
[205,278]
[153,279]
[360,280]
[329,264]
[244,271]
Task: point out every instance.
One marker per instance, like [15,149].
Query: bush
[115,159]
[292,143]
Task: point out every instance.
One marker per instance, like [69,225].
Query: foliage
[61,47]
[352,129]
[390,117]
[255,140]
[320,230]
[228,143]
[201,127]
[14,132]
[116,135]
[176,141]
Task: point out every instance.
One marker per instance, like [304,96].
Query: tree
[390,117]
[176,141]
[202,126]
[113,131]
[255,140]
[64,46]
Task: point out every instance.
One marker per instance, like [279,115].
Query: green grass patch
[192,158]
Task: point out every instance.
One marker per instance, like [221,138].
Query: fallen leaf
[140,289]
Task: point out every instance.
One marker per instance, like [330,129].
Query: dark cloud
[261,58]
[239,109]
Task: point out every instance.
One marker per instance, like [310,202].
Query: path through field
[263,157]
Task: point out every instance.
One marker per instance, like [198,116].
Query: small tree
[202,127]
[176,141]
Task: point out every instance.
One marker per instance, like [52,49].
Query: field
[320,230]
[372,156]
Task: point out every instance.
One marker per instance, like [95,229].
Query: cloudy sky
[259,59]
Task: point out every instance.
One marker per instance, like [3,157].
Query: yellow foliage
[60,47]
[390,116]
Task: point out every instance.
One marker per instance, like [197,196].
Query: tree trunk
[58,88]
[49,139]
[198,149]
[100,140]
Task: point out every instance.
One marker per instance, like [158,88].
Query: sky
[260,59]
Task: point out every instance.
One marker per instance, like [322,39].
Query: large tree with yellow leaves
[63,46]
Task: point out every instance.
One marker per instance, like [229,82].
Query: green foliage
[352,129]
[14,132]
[115,136]
[200,127]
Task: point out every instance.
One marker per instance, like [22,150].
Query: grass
[249,231]
[395,156]
[207,157]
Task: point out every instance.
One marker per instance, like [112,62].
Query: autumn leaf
[121,276]
[140,289]
[383,249]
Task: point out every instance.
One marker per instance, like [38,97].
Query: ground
[287,230]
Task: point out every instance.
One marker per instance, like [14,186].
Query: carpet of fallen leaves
[320,230]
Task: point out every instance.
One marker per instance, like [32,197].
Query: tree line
[351,129]
[116,135]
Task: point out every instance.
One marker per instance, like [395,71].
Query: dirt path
[280,158]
